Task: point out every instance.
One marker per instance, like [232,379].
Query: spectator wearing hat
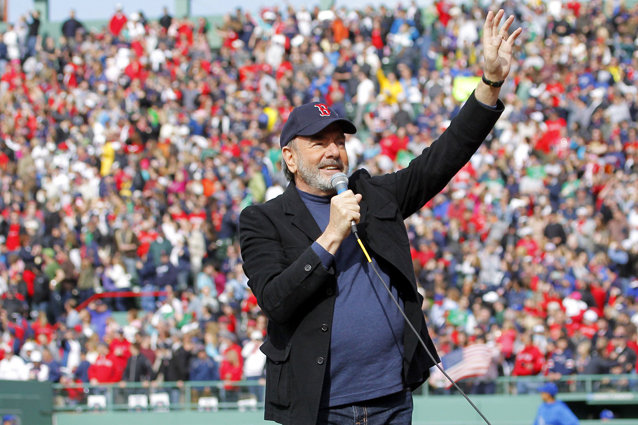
[553,411]
[35,369]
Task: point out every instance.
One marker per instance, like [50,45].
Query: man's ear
[290,158]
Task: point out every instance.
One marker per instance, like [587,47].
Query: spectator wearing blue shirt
[553,411]
[147,273]
[54,366]
[81,372]
[561,361]
[203,368]
[205,279]
[99,314]
[166,272]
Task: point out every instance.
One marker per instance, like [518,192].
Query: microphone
[340,183]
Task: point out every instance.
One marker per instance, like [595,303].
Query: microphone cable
[387,288]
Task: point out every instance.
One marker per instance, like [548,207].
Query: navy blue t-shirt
[366,344]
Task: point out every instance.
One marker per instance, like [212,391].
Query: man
[12,367]
[36,370]
[118,21]
[337,348]
[138,368]
[166,20]
[32,33]
[71,26]
[553,411]
[202,368]
[103,370]
[623,357]
[529,362]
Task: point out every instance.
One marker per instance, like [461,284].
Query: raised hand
[498,45]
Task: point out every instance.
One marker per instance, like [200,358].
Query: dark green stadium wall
[30,402]
[428,410]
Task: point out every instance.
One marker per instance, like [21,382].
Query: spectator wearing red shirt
[43,327]
[232,364]
[103,369]
[119,352]
[118,21]
[529,362]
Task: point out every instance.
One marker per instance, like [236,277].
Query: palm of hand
[498,45]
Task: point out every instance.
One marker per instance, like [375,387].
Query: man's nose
[332,150]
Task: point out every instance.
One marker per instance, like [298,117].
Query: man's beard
[312,175]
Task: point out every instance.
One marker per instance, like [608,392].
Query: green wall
[428,410]
[31,402]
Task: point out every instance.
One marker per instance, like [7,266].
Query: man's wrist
[329,241]
[491,83]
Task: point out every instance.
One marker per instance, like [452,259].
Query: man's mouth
[332,167]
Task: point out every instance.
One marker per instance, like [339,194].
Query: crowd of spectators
[127,153]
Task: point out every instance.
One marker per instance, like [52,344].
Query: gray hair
[284,167]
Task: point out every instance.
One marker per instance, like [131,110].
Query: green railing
[134,396]
[571,385]
[248,395]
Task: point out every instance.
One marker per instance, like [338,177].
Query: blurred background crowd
[126,155]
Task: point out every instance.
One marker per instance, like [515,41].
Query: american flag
[465,362]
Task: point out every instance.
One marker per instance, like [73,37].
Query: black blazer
[297,293]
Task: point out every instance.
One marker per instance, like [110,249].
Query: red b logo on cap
[323,109]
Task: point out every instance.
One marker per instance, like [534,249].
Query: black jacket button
[324,328]
[320,360]
[307,267]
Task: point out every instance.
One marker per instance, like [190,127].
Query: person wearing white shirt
[365,95]
[254,364]
[36,370]
[12,367]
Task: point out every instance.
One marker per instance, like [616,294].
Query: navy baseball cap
[309,119]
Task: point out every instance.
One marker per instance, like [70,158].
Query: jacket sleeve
[432,170]
[283,277]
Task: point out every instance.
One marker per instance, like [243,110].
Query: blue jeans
[394,409]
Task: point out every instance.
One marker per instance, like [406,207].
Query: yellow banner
[463,86]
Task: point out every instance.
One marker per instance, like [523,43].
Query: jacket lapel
[298,213]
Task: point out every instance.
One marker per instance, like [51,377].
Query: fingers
[513,36]
[487,26]
[492,23]
[497,21]
[349,200]
[344,209]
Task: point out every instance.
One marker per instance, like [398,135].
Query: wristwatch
[492,83]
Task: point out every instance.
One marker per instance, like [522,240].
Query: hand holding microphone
[340,183]
[344,214]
